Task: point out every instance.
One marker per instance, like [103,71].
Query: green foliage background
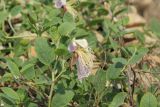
[34,60]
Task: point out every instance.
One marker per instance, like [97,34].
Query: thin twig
[133,85]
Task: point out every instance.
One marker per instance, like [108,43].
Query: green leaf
[114,44]
[15,10]
[52,12]
[21,93]
[7,100]
[140,36]
[32,18]
[28,71]
[68,17]
[123,21]
[62,99]
[66,28]
[99,81]
[2,35]
[155,25]
[138,54]
[41,80]
[118,99]
[3,16]
[54,34]
[32,105]
[120,59]
[11,93]
[44,52]
[79,33]
[26,67]
[106,25]
[13,68]
[114,70]
[61,50]
[55,20]
[6,77]
[92,40]
[148,100]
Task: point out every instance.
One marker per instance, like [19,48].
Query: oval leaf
[99,81]
[114,70]
[28,71]
[66,28]
[148,100]
[138,55]
[118,99]
[62,99]
[15,10]
[11,93]
[13,68]
[44,52]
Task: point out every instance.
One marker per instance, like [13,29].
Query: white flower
[59,3]
[75,43]
[84,57]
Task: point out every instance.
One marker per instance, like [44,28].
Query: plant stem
[96,102]
[63,70]
[52,83]
[10,24]
[15,37]
[51,91]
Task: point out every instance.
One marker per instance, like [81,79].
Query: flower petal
[82,42]
[83,70]
[72,47]
[59,3]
